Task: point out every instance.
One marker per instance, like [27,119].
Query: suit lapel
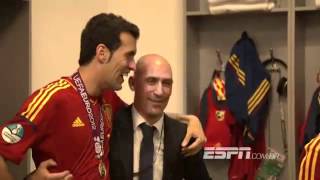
[169,150]
[126,139]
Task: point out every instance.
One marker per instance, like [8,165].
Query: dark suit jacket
[175,165]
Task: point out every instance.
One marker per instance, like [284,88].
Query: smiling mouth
[156,101]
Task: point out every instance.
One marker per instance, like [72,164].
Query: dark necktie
[146,153]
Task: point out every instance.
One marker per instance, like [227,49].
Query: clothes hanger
[273,65]
[219,66]
[245,35]
[274,61]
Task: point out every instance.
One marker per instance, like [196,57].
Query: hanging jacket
[247,87]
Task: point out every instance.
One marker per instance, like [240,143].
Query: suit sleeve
[195,167]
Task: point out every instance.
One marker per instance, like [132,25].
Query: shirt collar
[138,119]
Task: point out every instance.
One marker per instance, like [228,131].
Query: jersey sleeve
[310,160]
[30,123]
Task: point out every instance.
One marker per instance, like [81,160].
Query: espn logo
[240,152]
[226,152]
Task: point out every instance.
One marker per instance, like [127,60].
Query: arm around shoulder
[194,130]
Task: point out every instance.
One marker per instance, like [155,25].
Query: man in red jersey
[67,123]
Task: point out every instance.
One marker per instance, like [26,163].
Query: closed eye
[167,82]
[152,80]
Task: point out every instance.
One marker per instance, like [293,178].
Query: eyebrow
[168,80]
[162,79]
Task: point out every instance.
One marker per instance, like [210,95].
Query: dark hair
[106,29]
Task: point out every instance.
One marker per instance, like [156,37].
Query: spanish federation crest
[12,133]
[220,115]
[107,109]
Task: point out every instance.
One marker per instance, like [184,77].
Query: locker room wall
[14,75]
[161,23]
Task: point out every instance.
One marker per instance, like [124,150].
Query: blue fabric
[247,86]
[313,118]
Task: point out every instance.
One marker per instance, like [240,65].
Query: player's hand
[43,173]
[194,131]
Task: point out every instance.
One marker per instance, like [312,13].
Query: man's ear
[131,82]
[102,53]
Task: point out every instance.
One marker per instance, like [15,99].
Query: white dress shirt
[158,138]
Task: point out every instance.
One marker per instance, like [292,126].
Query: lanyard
[97,132]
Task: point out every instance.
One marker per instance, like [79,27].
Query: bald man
[145,143]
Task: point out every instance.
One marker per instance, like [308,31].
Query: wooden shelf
[307,9]
[279,10]
[198,13]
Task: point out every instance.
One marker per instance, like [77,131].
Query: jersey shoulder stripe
[309,161]
[43,96]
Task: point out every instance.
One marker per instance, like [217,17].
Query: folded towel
[225,2]
[233,8]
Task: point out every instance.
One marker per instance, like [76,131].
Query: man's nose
[132,65]
[159,89]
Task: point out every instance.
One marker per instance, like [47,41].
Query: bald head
[151,60]
[152,83]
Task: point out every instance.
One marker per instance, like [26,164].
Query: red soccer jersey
[219,121]
[215,114]
[310,160]
[53,121]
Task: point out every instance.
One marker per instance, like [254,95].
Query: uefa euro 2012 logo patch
[12,133]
